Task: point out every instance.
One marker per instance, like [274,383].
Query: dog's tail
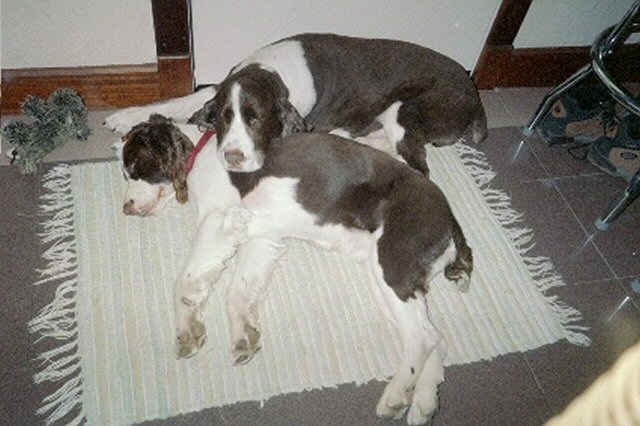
[459,271]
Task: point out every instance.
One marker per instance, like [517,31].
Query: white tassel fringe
[540,267]
[58,320]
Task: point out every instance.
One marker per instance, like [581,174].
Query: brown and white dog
[318,187]
[345,85]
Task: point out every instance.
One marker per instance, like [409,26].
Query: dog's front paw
[395,400]
[246,347]
[123,120]
[423,407]
[191,338]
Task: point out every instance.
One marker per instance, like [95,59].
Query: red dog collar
[201,143]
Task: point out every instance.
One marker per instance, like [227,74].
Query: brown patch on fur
[156,151]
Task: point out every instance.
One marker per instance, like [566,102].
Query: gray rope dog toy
[50,124]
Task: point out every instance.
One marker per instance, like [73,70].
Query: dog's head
[153,155]
[250,109]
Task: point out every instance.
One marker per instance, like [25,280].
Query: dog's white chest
[277,214]
[209,185]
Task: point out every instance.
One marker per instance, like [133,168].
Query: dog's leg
[418,345]
[436,123]
[389,121]
[178,109]
[425,396]
[216,240]
[412,123]
[190,294]
[256,260]
[418,342]
[401,135]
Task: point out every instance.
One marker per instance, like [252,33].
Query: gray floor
[561,198]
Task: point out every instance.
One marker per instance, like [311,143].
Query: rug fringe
[540,267]
[57,320]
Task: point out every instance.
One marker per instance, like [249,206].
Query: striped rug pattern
[320,322]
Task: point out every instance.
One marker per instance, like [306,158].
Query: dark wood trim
[100,88]
[491,66]
[172,26]
[79,71]
[551,66]
[175,77]
[105,87]
[498,48]
[502,65]
[508,22]
[171,19]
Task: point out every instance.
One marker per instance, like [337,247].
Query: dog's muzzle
[234,158]
[131,209]
[237,160]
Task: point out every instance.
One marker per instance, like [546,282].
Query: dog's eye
[227,115]
[249,115]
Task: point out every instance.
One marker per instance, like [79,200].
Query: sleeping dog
[317,187]
[345,85]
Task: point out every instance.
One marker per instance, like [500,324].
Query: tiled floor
[561,198]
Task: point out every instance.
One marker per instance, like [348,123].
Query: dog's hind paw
[390,412]
[395,400]
[422,409]
[191,340]
[246,348]
[460,277]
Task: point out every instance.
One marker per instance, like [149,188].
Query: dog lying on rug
[317,187]
[331,83]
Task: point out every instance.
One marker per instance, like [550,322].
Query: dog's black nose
[234,157]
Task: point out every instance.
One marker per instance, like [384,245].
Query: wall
[71,33]
[226,31]
[568,22]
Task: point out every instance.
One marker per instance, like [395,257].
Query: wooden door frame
[502,65]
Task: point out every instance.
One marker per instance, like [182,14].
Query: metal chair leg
[555,94]
[603,46]
[626,198]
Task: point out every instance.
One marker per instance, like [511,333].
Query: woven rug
[112,319]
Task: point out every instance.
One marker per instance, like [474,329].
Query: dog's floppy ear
[117,148]
[292,121]
[178,172]
[205,117]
